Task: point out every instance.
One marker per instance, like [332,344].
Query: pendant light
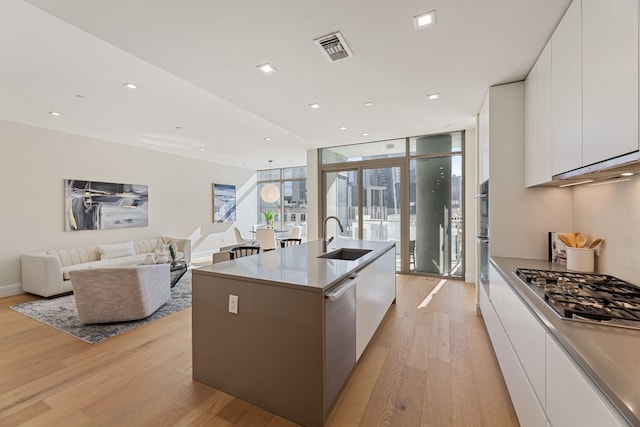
[270,192]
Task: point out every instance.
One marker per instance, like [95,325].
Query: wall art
[93,205]
[224,203]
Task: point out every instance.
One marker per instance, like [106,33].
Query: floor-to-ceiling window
[406,190]
[290,208]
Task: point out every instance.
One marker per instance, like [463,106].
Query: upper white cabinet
[566,95]
[538,132]
[609,78]
[483,141]
[585,110]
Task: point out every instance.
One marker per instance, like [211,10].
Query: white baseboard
[10,290]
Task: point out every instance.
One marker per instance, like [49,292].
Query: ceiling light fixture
[130,85]
[314,106]
[342,128]
[368,104]
[202,149]
[424,20]
[267,68]
[267,139]
[433,96]
[365,134]
[270,193]
[55,113]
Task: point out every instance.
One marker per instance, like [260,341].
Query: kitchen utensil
[571,237]
[563,239]
[581,240]
[595,243]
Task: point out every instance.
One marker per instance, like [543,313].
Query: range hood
[605,170]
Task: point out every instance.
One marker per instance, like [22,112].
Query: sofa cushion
[116,250]
[131,260]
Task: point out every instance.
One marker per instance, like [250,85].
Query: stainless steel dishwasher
[340,337]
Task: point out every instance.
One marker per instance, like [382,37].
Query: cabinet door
[374,294]
[571,398]
[530,130]
[566,94]
[527,337]
[483,141]
[538,150]
[609,79]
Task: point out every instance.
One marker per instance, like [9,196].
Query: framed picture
[94,205]
[557,249]
[224,203]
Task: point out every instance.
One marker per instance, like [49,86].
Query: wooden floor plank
[427,366]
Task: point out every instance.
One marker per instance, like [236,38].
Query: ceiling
[200,94]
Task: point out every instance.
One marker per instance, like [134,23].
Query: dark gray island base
[289,349]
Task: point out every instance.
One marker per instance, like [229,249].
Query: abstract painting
[93,205]
[224,203]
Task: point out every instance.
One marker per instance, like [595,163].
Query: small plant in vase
[173,252]
[269,217]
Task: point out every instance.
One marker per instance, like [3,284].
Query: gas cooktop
[586,297]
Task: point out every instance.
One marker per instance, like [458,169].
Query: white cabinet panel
[566,95]
[483,141]
[609,78]
[527,336]
[496,285]
[538,133]
[374,294]
[571,399]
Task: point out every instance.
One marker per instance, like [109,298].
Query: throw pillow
[116,250]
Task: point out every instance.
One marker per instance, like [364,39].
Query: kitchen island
[283,329]
[572,373]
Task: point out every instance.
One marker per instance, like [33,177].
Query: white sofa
[46,273]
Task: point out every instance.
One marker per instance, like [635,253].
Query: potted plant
[269,217]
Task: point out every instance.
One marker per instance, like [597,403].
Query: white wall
[313,197]
[612,212]
[34,163]
[470,203]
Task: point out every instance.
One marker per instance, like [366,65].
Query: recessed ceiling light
[267,139]
[314,106]
[55,113]
[266,68]
[365,134]
[342,128]
[178,127]
[130,85]
[368,104]
[424,20]
[80,96]
[202,149]
[627,174]
[433,96]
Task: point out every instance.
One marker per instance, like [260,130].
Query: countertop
[299,266]
[610,356]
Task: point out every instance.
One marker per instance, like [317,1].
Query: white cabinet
[374,294]
[527,337]
[571,399]
[609,79]
[483,141]
[538,126]
[566,95]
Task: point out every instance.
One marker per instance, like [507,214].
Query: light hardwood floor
[430,366]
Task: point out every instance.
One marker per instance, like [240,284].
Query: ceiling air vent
[334,46]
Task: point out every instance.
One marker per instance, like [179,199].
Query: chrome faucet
[325,242]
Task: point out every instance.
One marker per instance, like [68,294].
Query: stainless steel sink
[347,254]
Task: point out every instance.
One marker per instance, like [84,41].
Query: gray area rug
[61,314]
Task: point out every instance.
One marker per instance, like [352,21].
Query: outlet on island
[233,304]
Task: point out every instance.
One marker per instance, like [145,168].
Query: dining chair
[242,251]
[267,238]
[240,239]
[289,241]
[296,232]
